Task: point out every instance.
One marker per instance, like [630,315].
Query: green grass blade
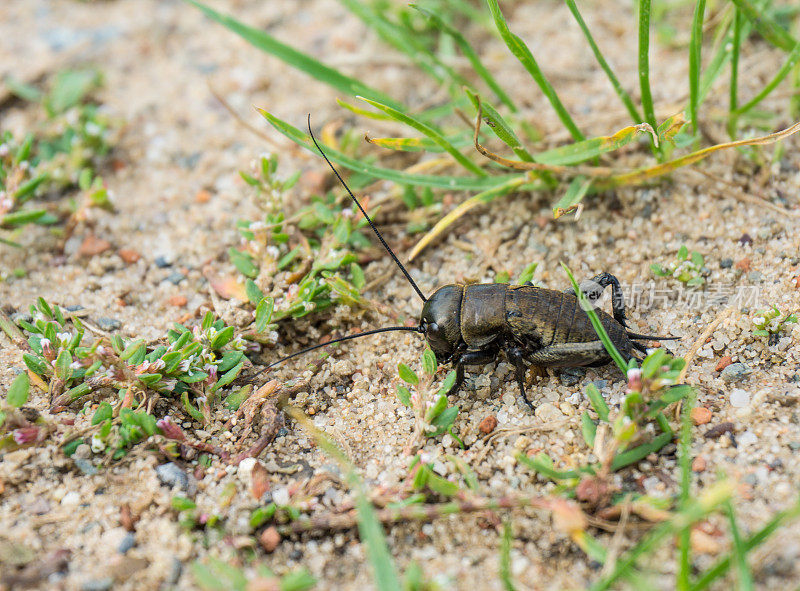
[572,196]
[523,54]
[644,63]
[296,59]
[766,26]
[453,183]
[640,452]
[734,84]
[405,41]
[739,553]
[695,61]
[791,62]
[578,152]
[470,54]
[714,68]
[721,567]
[621,92]
[499,126]
[595,320]
[685,462]
[431,133]
[697,509]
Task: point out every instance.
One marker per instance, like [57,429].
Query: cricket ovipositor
[472,324]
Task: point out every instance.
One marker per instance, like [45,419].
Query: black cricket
[473,324]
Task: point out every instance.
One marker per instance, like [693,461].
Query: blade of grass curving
[431,133]
[621,92]
[723,565]
[499,126]
[644,63]
[685,462]
[519,182]
[695,61]
[404,41]
[698,508]
[734,84]
[640,452]
[766,26]
[405,144]
[470,54]
[786,68]
[453,183]
[296,59]
[598,326]
[523,54]
[637,176]
[572,196]
[364,112]
[739,553]
[369,527]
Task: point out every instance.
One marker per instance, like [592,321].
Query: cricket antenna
[371,225]
[339,340]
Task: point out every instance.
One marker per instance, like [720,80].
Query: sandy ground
[159,59]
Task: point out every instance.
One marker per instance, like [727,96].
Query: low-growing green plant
[772,322]
[295,273]
[197,361]
[432,413]
[16,430]
[688,268]
[62,152]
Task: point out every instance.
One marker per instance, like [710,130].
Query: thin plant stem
[644,65]
[736,42]
[684,542]
[695,60]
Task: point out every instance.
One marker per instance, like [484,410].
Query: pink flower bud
[634,380]
[26,435]
[170,429]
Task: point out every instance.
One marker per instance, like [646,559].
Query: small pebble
[488,424]
[572,375]
[71,499]
[726,263]
[176,277]
[739,398]
[794,445]
[699,464]
[755,276]
[128,542]
[724,362]
[269,539]
[162,262]
[743,265]
[735,372]
[82,452]
[109,324]
[600,384]
[129,255]
[171,475]
[98,584]
[177,301]
[548,412]
[174,572]
[747,438]
[86,466]
[745,239]
[700,415]
[92,246]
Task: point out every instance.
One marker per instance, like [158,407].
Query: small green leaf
[449,382]
[436,409]
[191,409]
[588,428]
[228,377]
[104,412]
[429,364]
[63,362]
[182,503]
[222,338]
[598,403]
[261,515]
[36,364]
[407,374]
[235,399]
[403,395]
[19,390]
[243,263]
[527,274]
[254,294]
[264,312]
[441,485]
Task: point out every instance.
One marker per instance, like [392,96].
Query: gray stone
[571,375]
[98,584]
[86,466]
[726,263]
[735,372]
[174,573]
[755,276]
[128,542]
[109,324]
[162,262]
[171,475]
[176,277]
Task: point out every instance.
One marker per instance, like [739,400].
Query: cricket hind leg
[593,288]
